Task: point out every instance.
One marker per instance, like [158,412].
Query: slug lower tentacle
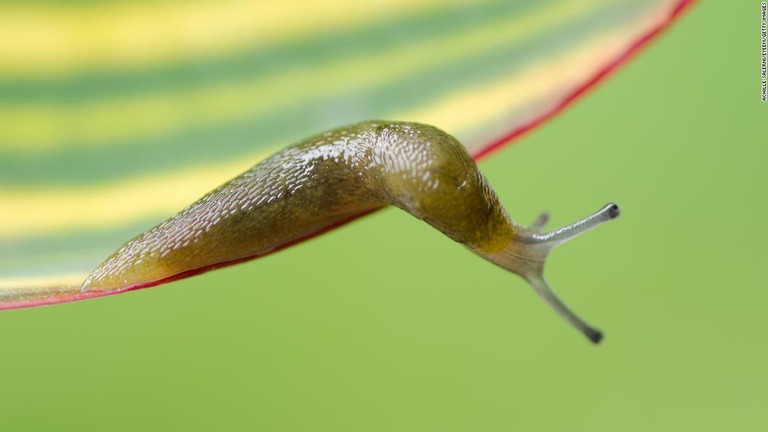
[333,177]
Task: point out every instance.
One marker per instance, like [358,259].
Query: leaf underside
[114,117]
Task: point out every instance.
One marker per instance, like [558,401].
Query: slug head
[527,254]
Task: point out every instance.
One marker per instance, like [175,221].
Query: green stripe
[72,251]
[106,84]
[277,129]
[66,252]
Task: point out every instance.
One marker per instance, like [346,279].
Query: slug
[331,178]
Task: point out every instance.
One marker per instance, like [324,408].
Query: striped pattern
[115,116]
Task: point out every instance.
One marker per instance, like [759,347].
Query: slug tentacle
[539,223]
[331,178]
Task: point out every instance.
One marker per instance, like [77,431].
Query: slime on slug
[333,177]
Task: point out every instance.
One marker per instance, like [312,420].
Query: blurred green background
[387,325]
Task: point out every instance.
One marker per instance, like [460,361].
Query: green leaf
[115,116]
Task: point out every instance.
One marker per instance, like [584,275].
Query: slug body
[331,178]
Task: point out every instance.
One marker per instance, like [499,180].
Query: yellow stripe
[53,40]
[50,211]
[29,212]
[63,282]
[42,127]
